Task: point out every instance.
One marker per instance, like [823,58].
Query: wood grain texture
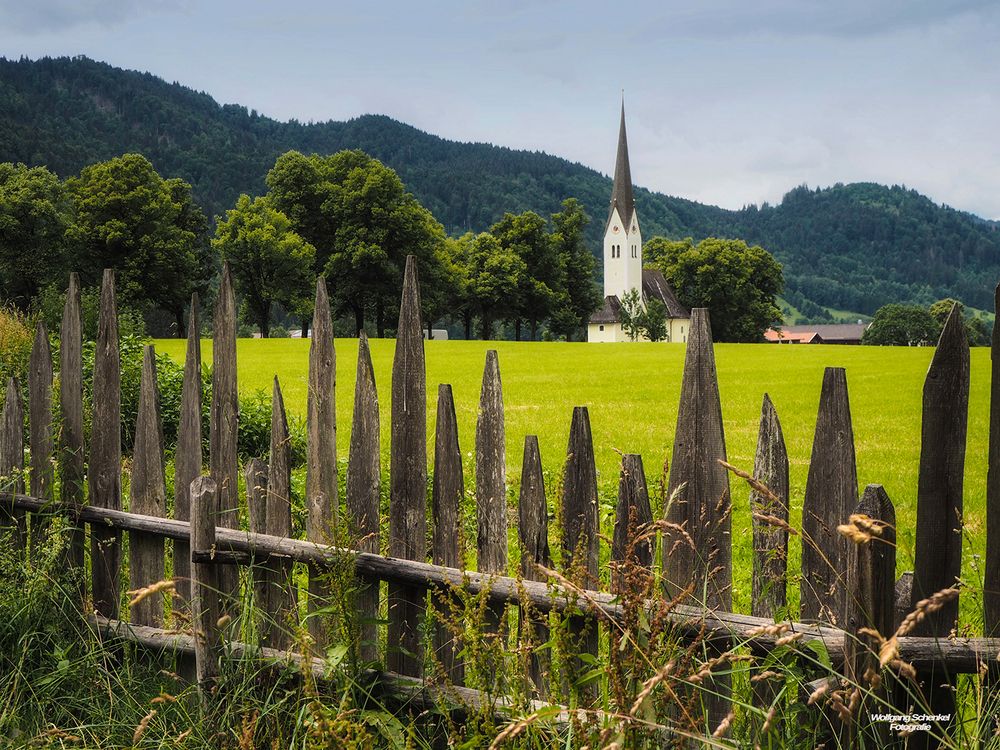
[104,472]
[871,571]
[206,606]
[699,485]
[533,531]
[224,424]
[632,513]
[699,499]
[188,456]
[281,602]
[12,460]
[72,456]
[321,447]
[446,502]
[148,496]
[831,494]
[255,479]
[937,561]
[408,476]
[770,541]
[580,540]
[491,487]
[491,479]
[364,489]
[41,439]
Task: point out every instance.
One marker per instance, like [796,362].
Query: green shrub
[50,302]
[16,338]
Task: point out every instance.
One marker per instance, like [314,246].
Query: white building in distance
[623,269]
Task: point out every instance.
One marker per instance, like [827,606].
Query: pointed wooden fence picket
[848,589]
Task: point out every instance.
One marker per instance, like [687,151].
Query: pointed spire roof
[621,193]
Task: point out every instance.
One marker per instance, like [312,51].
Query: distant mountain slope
[849,247]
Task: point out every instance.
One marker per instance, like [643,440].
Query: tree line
[346,216]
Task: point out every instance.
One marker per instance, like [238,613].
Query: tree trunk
[264,321]
[467,319]
[534,329]
[359,319]
[517,329]
[179,318]
[430,331]
[487,325]
[379,319]
[305,327]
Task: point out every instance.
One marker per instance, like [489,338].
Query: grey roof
[655,286]
[609,312]
[621,193]
[832,332]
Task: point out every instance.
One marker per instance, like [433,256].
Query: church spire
[621,193]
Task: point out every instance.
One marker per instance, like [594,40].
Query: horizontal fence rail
[234,547]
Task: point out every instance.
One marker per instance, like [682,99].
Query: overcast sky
[728,102]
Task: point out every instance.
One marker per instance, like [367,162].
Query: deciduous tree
[35,211]
[737,282]
[270,261]
[148,229]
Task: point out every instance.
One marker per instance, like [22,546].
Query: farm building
[623,271]
[838,333]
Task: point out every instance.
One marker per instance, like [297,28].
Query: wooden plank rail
[414,691]
[962,655]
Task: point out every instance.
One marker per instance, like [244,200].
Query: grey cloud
[45,16]
[850,18]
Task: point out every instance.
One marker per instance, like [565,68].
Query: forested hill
[849,247]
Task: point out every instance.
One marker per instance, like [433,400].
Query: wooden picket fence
[847,582]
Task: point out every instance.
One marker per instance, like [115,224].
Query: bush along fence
[660,653]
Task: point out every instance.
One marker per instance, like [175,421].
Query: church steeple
[621,193]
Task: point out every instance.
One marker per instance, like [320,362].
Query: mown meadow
[632,392]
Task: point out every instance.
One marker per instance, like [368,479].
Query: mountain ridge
[849,247]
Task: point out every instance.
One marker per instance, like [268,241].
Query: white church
[623,269]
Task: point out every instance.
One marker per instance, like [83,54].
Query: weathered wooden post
[188,458]
[255,476]
[447,493]
[699,497]
[40,434]
[632,514]
[12,459]
[321,464]
[72,468]
[408,477]
[280,599]
[831,494]
[770,539]
[938,549]
[206,607]
[223,426]
[991,578]
[364,489]
[580,540]
[871,570]
[491,484]
[533,529]
[148,496]
[106,455]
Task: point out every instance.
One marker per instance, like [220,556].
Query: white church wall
[677,330]
[605,332]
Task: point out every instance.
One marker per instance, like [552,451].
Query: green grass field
[632,392]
